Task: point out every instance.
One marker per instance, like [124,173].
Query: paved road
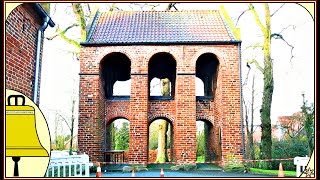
[168,173]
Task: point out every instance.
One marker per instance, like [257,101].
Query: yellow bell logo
[22,141]
[21,135]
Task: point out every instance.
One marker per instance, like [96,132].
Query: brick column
[185,123]
[91,122]
[230,109]
[138,151]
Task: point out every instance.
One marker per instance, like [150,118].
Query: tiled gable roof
[158,27]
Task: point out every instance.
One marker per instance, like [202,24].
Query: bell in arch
[21,134]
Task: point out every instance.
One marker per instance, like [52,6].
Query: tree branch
[279,36]
[277,10]
[78,11]
[293,27]
[246,80]
[68,40]
[253,46]
[61,32]
[65,120]
[114,7]
[241,15]
[171,5]
[257,65]
[256,16]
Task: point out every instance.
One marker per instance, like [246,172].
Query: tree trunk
[250,135]
[162,155]
[266,140]
[72,126]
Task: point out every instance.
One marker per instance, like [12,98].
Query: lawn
[271,172]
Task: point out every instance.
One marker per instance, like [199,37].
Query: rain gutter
[160,43]
[241,108]
[46,21]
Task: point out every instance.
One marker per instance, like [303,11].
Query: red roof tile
[134,27]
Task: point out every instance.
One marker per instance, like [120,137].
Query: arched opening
[115,74]
[199,87]
[206,70]
[160,141]
[205,145]
[117,140]
[161,76]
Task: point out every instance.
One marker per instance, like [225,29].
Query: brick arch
[220,55]
[110,118]
[103,52]
[168,50]
[154,116]
[205,117]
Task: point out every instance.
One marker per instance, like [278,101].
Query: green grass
[271,172]
[200,159]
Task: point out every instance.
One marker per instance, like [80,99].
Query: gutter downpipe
[37,67]
[241,108]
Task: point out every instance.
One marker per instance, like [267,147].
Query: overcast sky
[60,70]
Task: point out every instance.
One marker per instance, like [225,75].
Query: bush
[288,148]
[232,166]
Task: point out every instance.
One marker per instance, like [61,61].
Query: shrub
[288,148]
[232,166]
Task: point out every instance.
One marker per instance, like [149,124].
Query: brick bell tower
[182,46]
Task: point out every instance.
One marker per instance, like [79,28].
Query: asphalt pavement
[169,173]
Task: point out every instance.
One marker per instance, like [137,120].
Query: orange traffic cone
[280,172]
[98,174]
[132,175]
[161,173]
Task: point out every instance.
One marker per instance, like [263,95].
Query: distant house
[284,125]
[257,133]
[291,125]
[24,38]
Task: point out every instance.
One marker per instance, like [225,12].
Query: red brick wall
[21,36]
[117,109]
[223,112]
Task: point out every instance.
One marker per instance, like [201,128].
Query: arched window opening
[156,87]
[122,88]
[162,76]
[115,73]
[206,70]
[160,141]
[199,87]
[205,150]
[117,140]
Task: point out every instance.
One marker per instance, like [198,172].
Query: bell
[21,134]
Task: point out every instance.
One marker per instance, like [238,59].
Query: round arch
[114,67]
[158,50]
[221,57]
[104,52]
[162,66]
[112,119]
[156,116]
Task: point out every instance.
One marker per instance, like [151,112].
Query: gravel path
[168,173]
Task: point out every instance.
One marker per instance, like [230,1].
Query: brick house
[24,39]
[179,45]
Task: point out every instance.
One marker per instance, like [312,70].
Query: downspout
[37,66]
[241,108]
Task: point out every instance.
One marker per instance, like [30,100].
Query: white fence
[69,166]
[300,162]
